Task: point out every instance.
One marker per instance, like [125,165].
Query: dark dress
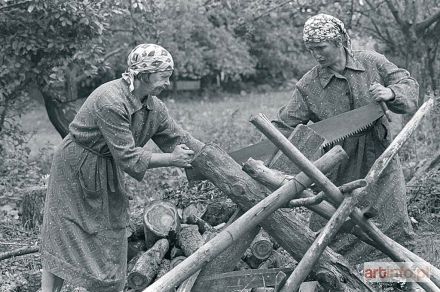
[321,94]
[86,207]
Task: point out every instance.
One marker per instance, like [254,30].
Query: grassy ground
[223,121]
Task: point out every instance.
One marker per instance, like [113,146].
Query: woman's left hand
[381,93]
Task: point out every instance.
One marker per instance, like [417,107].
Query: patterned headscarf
[324,27]
[149,58]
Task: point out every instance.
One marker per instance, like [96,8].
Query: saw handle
[385,110]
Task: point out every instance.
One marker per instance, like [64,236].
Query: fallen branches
[19,252]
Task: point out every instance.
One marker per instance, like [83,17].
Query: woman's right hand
[181,156]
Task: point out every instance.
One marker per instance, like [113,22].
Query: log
[246,192]
[136,225]
[134,248]
[262,246]
[147,265]
[164,267]
[160,220]
[225,261]
[251,260]
[273,179]
[32,206]
[271,262]
[189,239]
[324,238]
[335,195]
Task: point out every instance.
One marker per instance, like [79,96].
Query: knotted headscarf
[147,58]
[324,27]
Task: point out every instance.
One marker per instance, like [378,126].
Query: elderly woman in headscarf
[343,80]
[86,207]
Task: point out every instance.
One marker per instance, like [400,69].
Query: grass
[222,120]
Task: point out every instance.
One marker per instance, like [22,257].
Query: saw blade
[333,130]
[337,128]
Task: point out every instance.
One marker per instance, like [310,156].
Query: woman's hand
[381,93]
[182,156]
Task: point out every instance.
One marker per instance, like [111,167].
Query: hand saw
[333,130]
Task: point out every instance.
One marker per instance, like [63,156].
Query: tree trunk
[147,265]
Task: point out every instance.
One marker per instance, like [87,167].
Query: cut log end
[160,220]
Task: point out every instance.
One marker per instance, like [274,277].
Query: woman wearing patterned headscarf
[85,213]
[343,80]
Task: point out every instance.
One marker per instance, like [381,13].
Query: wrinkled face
[158,81]
[326,53]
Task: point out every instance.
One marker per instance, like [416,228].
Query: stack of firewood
[162,236]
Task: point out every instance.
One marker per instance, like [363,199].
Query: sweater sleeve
[114,124]
[405,88]
[169,133]
[295,112]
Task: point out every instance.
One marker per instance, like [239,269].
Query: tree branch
[404,26]
[18,252]
[421,26]
[14,5]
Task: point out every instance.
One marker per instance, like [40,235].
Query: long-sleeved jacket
[322,93]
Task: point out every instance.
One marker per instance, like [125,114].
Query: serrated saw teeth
[337,140]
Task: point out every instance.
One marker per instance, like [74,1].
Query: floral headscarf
[324,27]
[148,58]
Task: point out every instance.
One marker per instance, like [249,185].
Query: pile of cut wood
[162,236]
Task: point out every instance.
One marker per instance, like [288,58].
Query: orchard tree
[49,48]
[409,30]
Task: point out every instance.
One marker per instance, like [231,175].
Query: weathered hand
[381,93]
[182,156]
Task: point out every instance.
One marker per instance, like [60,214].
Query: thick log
[32,206]
[160,220]
[262,246]
[147,265]
[246,192]
[335,195]
[189,239]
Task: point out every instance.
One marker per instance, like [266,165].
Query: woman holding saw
[344,80]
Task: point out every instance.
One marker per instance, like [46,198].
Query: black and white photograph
[219,146]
